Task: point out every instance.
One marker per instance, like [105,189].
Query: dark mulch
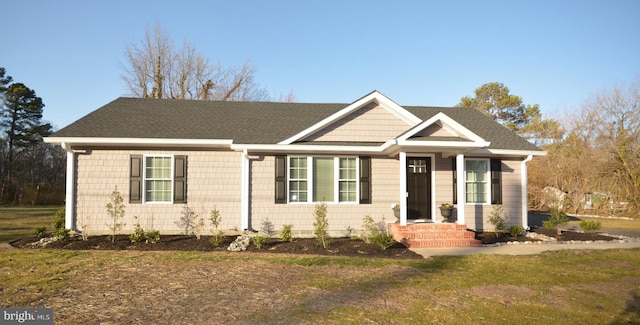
[307,246]
[491,238]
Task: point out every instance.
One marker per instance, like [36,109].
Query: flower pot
[446,213]
[396,212]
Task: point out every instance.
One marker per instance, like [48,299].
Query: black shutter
[180,179]
[455,180]
[281,179]
[135,179]
[496,181]
[365,180]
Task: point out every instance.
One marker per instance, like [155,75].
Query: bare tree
[155,70]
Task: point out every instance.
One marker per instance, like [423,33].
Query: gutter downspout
[69,220]
[525,199]
[244,195]
[460,189]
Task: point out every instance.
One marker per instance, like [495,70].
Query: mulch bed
[306,246]
[567,236]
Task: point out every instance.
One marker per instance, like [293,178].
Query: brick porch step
[433,235]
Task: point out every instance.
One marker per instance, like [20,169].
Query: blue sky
[554,53]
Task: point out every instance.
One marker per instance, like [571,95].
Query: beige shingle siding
[511,198]
[385,190]
[371,124]
[213,181]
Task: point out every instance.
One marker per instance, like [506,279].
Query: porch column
[523,190]
[403,189]
[70,203]
[244,195]
[460,188]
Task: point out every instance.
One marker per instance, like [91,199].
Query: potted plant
[396,210]
[446,210]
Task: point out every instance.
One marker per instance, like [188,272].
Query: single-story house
[274,161]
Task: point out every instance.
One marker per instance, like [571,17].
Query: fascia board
[292,148]
[508,152]
[376,96]
[444,144]
[151,142]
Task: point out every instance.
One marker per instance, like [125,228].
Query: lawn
[16,222]
[561,287]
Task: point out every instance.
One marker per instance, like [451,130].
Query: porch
[425,235]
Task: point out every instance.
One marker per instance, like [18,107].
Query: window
[477,180]
[158,179]
[323,179]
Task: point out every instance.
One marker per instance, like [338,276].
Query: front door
[418,188]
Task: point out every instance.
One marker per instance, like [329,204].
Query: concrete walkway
[531,249]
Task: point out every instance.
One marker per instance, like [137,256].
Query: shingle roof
[247,122]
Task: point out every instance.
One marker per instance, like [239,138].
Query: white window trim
[336,180]
[488,182]
[144,178]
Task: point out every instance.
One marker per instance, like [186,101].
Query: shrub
[152,237]
[40,232]
[259,241]
[516,231]
[496,219]
[215,219]
[115,209]
[383,239]
[556,219]
[369,229]
[286,234]
[62,234]
[58,220]
[321,224]
[590,226]
[138,234]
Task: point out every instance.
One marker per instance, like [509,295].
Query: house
[259,161]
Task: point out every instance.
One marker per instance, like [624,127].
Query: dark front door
[418,188]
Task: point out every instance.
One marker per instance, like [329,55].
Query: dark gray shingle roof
[247,122]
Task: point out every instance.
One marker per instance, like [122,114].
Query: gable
[358,126]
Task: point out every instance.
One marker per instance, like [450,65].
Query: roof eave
[138,142]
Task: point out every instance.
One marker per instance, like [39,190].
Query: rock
[240,244]
[44,242]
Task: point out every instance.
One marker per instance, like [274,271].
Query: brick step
[434,235]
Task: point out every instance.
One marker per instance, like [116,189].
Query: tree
[155,70]
[494,100]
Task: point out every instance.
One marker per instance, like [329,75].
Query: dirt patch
[306,246]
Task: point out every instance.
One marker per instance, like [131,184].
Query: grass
[560,287]
[16,222]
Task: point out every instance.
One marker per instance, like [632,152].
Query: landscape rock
[240,244]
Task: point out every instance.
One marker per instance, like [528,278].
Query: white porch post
[69,197]
[524,184]
[244,195]
[403,189]
[460,188]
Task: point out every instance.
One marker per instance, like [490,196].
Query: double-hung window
[477,180]
[158,179]
[323,179]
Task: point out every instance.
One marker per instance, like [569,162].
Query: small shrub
[267,228]
[40,232]
[259,241]
[556,219]
[152,237]
[62,234]
[383,239]
[516,231]
[58,220]
[215,218]
[138,234]
[115,209]
[286,234]
[496,219]
[199,227]
[321,224]
[590,226]
[369,229]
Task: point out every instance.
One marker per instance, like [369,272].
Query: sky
[555,53]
